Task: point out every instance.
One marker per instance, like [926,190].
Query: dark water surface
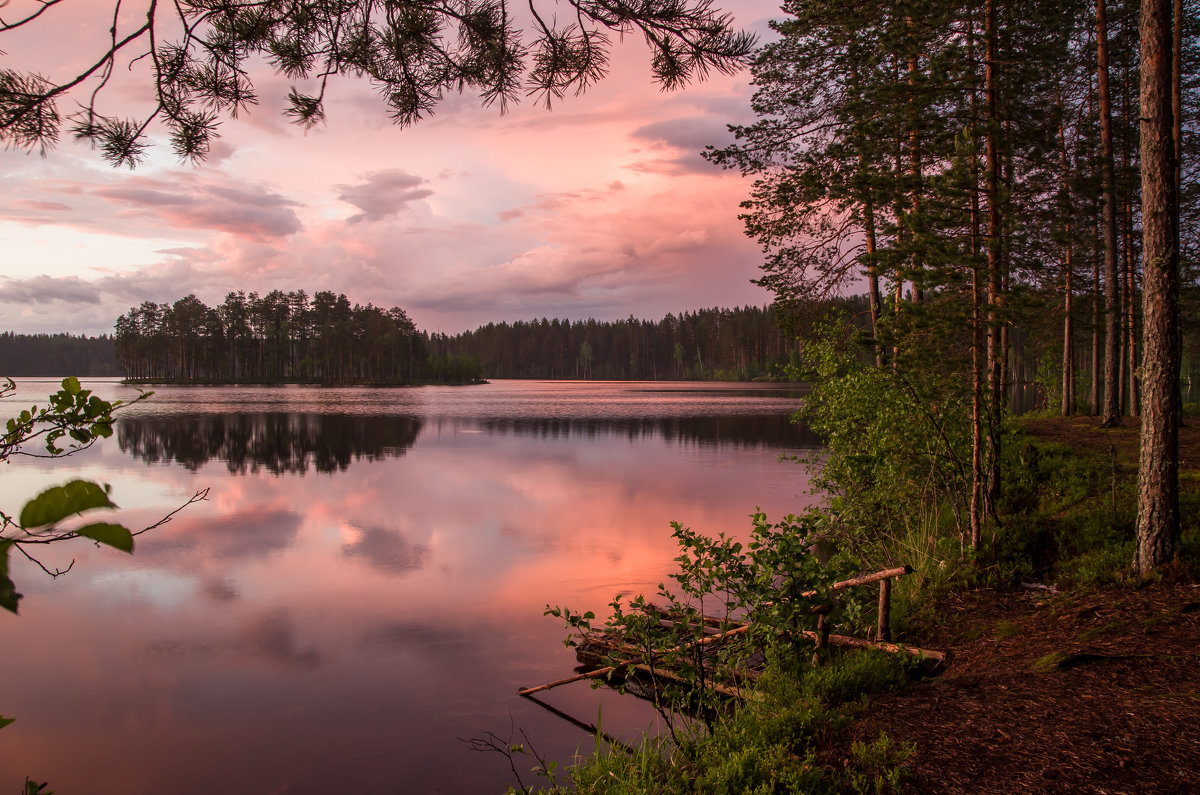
[365,585]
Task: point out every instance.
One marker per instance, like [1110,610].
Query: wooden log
[709,621]
[866,579]
[526,691]
[603,671]
[938,657]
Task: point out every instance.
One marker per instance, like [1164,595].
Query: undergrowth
[776,742]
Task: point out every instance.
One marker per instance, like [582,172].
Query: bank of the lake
[1067,673]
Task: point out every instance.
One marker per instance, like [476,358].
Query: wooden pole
[884,632]
[822,638]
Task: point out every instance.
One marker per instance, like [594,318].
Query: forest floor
[1088,690]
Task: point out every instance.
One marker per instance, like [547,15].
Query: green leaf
[115,535]
[8,590]
[59,502]
[5,721]
[70,384]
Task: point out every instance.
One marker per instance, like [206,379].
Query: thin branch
[53,574]
[7,26]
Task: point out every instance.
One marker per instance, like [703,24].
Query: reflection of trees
[278,442]
[740,430]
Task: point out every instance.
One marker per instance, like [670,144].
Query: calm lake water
[364,587]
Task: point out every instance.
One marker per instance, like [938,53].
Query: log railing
[821,636]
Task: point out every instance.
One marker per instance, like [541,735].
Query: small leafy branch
[75,414]
[765,593]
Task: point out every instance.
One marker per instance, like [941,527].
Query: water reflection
[293,443]
[387,550]
[742,431]
[254,533]
[278,442]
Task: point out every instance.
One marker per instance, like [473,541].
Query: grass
[770,744]
[1005,630]
[1095,632]
[1048,662]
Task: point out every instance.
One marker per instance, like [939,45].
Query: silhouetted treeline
[277,442]
[743,431]
[709,344]
[275,337]
[57,355]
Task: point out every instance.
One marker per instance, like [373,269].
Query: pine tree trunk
[1094,392]
[1111,414]
[914,160]
[976,507]
[994,337]
[869,230]
[1158,534]
[1131,328]
[1068,369]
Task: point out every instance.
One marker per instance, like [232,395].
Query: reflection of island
[277,442]
[763,430]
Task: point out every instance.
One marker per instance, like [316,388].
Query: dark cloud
[250,212]
[50,289]
[383,194]
[145,197]
[689,137]
[691,133]
[388,550]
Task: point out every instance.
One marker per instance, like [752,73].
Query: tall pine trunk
[1068,364]
[1111,414]
[1158,533]
[994,337]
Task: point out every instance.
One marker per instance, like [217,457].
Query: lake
[364,587]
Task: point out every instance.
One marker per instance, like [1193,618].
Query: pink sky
[600,208]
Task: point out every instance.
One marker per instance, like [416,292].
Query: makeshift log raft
[599,646]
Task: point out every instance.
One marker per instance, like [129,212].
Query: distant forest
[289,337]
[709,344]
[34,355]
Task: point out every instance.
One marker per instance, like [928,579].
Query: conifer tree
[414,53]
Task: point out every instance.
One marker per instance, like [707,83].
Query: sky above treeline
[601,207]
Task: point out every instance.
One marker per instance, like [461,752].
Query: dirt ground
[1054,692]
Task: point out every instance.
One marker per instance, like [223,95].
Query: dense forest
[982,170]
[288,337]
[1003,175]
[710,344]
[270,338]
[57,355]
[281,337]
